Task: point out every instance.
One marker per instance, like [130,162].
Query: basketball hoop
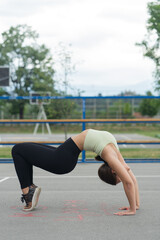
[39,101]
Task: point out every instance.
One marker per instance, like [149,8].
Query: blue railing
[76,97]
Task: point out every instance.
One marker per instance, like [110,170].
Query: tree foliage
[149,107]
[60,109]
[31,64]
[151,43]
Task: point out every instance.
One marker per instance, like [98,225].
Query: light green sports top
[96,141]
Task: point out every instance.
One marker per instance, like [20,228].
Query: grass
[141,153]
[5,152]
[134,153]
[152,130]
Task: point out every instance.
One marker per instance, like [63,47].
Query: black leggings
[60,160]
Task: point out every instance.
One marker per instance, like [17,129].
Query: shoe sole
[34,199]
[37,198]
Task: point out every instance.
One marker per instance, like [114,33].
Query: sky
[101,35]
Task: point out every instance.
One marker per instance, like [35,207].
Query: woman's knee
[17,148]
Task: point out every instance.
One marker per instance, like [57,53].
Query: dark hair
[105,172]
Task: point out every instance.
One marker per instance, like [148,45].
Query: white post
[42,115]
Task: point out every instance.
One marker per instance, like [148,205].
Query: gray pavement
[79,206]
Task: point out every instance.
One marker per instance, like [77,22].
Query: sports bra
[96,141]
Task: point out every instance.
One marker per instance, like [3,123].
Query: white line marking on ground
[4,179]
[97,191]
[125,137]
[138,176]
[142,145]
[62,177]
[124,145]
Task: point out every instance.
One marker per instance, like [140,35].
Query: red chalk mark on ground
[30,214]
[25,215]
[77,210]
[72,210]
[20,207]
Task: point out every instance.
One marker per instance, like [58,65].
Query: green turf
[152,130]
[5,152]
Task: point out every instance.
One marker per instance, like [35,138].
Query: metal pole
[83,124]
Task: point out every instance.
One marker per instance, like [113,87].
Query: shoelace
[22,199]
[26,198]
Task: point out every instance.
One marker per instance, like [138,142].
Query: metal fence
[85,102]
[75,107]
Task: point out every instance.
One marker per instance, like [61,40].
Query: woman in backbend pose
[63,159]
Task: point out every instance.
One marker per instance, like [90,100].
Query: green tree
[149,107]
[31,64]
[2,92]
[151,43]
[127,110]
[59,109]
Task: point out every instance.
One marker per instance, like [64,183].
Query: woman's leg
[25,155]
[59,160]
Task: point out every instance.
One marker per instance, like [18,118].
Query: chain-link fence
[72,107]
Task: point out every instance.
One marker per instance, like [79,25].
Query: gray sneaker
[31,198]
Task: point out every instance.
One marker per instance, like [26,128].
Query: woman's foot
[31,198]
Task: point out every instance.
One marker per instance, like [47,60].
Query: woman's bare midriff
[79,139]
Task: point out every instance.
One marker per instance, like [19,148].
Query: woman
[63,160]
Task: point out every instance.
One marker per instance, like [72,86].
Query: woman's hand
[125,213]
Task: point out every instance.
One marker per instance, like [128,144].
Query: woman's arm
[136,191]
[121,159]
[110,156]
[136,188]
[129,188]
